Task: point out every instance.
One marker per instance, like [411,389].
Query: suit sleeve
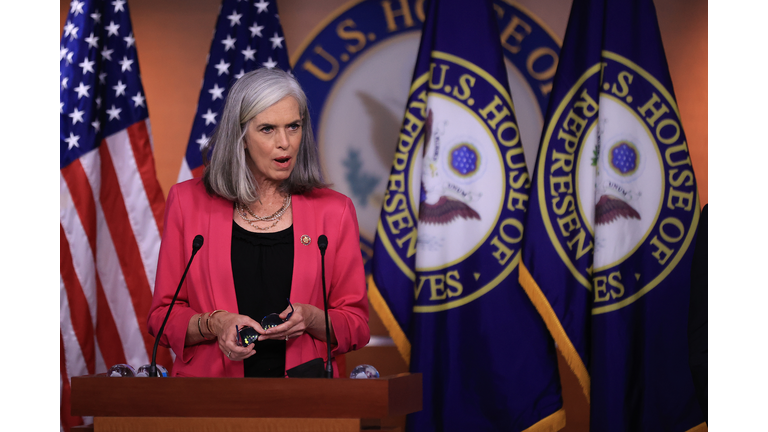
[347,293]
[172,261]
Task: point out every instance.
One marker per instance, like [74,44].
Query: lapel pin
[305,240]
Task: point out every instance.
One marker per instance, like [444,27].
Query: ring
[286,337]
[230,352]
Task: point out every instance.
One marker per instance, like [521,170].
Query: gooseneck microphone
[197,243]
[322,243]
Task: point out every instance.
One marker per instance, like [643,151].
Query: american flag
[248,36]
[111,214]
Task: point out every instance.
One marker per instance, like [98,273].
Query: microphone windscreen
[197,243]
[322,242]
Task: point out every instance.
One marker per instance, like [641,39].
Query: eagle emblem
[435,207]
[609,209]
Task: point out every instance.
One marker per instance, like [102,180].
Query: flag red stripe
[116,216]
[106,331]
[198,172]
[110,345]
[80,314]
[138,135]
[67,420]
[82,196]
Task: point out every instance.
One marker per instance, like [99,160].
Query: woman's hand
[305,319]
[222,324]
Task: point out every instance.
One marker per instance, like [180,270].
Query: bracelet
[200,328]
[208,320]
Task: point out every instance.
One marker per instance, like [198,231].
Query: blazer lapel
[306,257]
[222,282]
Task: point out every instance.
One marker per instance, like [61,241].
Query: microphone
[197,243]
[322,243]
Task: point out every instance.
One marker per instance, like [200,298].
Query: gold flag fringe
[395,332]
[555,329]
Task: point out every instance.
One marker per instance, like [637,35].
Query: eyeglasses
[274,320]
[247,335]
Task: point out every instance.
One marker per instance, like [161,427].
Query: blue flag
[612,221]
[248,36]
[447,248]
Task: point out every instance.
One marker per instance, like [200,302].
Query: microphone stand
[197,243]
[322,243]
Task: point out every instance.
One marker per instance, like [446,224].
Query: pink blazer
[209,284]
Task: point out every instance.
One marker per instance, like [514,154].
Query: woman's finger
[289,309]
[238,353]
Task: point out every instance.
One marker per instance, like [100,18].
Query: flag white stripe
[100,365]
[137,204]
[184,173]
[73,355]
[149,132]
[111,274]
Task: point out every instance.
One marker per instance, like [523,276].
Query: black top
[262,267]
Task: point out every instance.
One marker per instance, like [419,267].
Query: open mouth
[282,160]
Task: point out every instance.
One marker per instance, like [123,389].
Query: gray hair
[227,174]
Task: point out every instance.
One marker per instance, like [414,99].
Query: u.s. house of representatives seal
[458,144]
[357,68]
[619,195]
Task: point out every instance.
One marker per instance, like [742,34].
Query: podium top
[99,395]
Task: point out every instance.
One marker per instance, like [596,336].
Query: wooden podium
[244,404]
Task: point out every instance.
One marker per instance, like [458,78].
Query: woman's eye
[266,129]
[294,126]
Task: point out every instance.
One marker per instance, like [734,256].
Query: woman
[261,206]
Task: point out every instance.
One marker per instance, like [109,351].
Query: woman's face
[272,141]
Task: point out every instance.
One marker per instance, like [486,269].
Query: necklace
[276,215]
[242,209]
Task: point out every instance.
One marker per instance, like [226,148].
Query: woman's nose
[282,139]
